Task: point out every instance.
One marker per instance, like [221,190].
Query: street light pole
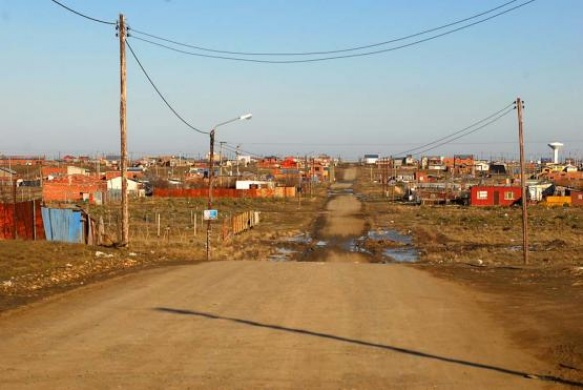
[211,175]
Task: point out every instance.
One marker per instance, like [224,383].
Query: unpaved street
[331,324]
[263,325]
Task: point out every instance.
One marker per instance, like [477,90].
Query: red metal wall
[25,221]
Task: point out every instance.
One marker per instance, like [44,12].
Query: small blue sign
[210,215]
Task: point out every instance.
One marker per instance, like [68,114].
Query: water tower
[555,146]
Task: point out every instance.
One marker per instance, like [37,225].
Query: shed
[495,195]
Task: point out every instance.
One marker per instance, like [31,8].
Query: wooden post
[123,130]
[195,222]
[519,107]
[158,224]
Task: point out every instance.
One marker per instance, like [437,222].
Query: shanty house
[495,195]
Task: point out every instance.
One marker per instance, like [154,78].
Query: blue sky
[60,88]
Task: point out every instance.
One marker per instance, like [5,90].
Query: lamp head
[246,117]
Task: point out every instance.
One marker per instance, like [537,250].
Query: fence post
[158,223]
[195,218]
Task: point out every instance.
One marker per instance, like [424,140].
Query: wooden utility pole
[237,160]
[210,194]
[524,199]
[123,129]
[221,163]
[312,177]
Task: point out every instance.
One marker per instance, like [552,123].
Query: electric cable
[83,15]
[232,148]
[457,132]
[325,52]
[160,93]
[345,56]
[468,133]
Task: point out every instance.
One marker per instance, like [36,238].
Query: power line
[160,93]
[457,132]
[325,52]
[83,15]
[345,56]
[468,133]
[231,148]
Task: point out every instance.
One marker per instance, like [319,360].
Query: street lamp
[210,177]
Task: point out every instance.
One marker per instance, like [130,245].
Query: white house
[244,160]
[73,170]
[371,158]
[248,184]
[115,184]
[482,166]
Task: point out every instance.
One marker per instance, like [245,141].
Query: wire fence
[171,221]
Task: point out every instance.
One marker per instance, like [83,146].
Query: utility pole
[237,160]
[221,163]
[123,130]
[210,193]
[312,177]
[519,107]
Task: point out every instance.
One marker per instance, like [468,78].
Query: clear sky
[60,77]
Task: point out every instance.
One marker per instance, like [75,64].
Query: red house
[576,198]
[495,195]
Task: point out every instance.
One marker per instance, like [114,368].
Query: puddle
[356,245]
[402,255]
[302,238]
[406,253]
[391,245]
[282,254]
[391,235]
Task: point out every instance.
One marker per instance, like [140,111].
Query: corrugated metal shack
[68,225]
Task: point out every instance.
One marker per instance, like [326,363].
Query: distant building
[21,160]
[371,158]
[253,184]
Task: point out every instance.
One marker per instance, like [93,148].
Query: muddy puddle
[380,245]
[282,254]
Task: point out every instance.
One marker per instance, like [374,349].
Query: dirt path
[264,325]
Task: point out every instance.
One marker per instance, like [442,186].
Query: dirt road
[263,325]
[250,325]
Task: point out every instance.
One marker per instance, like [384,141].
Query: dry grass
[493,235]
